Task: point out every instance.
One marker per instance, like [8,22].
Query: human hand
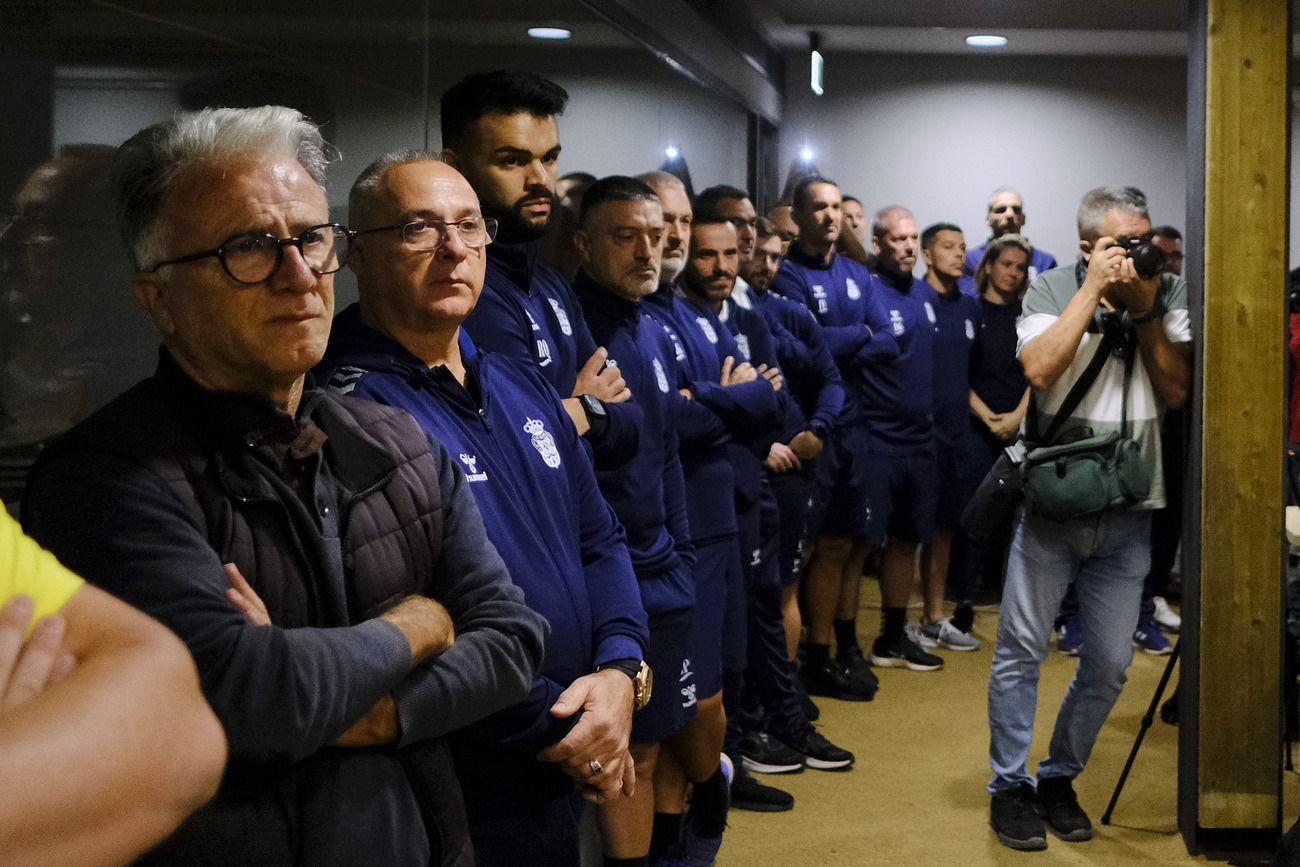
[600,735]
[1104,265]
[806,445]
[1137,294]
[29,663]
[601,380]
[772,375]
[1004,426]
[242,595]
[426,624]
[376,728]
[781,458]
[734,374]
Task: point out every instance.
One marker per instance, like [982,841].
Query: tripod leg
[1142,731]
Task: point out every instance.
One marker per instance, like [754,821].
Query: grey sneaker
[944,634]
[1168,619]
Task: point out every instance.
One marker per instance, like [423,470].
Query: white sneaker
[1166,616]
[944,634]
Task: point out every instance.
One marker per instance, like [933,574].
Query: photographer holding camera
[1115,301]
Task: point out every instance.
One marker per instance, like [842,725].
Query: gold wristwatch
[642,678]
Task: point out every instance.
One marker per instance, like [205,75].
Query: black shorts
[717,571]
[961,468]
[844,474]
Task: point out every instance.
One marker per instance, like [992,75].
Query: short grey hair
[368,183]
[149,162]
[880,222]
[993,196]
[1096,204]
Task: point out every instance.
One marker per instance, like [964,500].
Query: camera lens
[1148,259]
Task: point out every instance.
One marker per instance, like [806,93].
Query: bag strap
[1076,392]
[1130,353]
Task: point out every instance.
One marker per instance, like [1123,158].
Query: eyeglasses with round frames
[426,235]
[252,257]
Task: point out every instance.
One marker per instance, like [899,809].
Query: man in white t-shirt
[1106,557]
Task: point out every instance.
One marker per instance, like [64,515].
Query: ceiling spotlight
[672,152]
[549,32]
[817,64]
[806,154]
[986,40]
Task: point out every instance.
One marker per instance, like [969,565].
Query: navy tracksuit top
[845,302]
[810,372]
[898,398]
[957,324]
[528,312]
[701,343]
[534,485]
[648,493]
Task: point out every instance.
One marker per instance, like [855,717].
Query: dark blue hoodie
[810,372]
[648,493]
[841,295]
[528,312]
[534,485]
[701,343]
[898,394]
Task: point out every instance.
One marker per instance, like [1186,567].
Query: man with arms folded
[499,130]
[419,258]
[1106,557]
[106,743]
[327,569]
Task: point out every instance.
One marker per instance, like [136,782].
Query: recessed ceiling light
[986,40]
[549,32]
[672,152]
[806,154]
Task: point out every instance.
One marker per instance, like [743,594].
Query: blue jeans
[1107,558]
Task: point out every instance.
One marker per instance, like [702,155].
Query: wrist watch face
[593,405]
[643,686]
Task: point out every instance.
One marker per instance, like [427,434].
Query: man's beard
[515,228]
[670,268]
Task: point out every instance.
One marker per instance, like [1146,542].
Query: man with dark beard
[499,131]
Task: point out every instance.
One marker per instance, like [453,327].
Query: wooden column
[1230,766]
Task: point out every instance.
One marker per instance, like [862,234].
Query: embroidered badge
[543,442]
[970,330]
[660,376]
[742,343]
[929,313]
[852,287]
[707,327]
[471,468]
[819,295]
[896,322]
[563,316]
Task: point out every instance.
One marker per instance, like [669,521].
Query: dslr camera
[1148,259]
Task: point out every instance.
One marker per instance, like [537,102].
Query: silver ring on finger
[596,766]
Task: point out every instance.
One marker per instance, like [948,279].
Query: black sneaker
[764,754]
[858,670]
[819,753]
[748,793]
[828,679]
[904,653]
[1014,818]
[1059,807]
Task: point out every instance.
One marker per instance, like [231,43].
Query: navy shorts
[794,493]
[902,496]
[717,568]
[672,698]
[844,473]
[961,468]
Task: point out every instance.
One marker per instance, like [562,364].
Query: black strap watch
[597,415]
[642,678]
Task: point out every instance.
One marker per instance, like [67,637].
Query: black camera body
[1148,259]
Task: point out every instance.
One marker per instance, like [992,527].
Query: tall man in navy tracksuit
[620,234]
[499,130]
[845,301]
[1006,216]
[744,401]
[816,390]
[707,281]
[898,404]
[419,260]
[957,321]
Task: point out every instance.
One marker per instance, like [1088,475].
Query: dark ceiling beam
[690,45]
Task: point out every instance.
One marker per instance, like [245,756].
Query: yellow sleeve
[26,567]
